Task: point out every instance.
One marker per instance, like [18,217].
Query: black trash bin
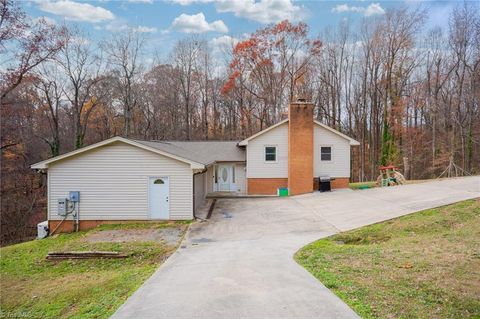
[324,184]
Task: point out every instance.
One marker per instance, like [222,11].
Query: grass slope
[425,265]
[32,287]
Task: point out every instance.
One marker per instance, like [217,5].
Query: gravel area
[170,235]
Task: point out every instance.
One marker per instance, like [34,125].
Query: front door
[158,196]
[224,177]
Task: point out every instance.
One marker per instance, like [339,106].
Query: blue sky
[163,22]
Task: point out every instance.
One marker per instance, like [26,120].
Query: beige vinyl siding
[199,189]
[240,180]
[339,166]
[256,165]
[210,178]
[113,183]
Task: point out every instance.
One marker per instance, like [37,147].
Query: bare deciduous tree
[24,44]
[83,70]
[124,51]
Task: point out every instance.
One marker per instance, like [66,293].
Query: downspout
[77,216]
[193,196]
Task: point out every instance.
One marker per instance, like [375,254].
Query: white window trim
[265,154]
[331,153]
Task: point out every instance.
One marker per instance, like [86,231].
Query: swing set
[389,176]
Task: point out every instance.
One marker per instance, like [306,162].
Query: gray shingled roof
[204,152]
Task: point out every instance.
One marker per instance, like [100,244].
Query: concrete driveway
[240,263]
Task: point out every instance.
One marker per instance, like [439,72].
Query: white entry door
[158,194]
[224,177]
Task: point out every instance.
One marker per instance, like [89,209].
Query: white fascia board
[245,141]
[44,164]
[351,140]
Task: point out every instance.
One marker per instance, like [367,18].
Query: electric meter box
[75,196]
[62,206]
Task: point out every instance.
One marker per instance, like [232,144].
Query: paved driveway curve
[239,264]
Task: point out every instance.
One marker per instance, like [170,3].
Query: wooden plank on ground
[61,255]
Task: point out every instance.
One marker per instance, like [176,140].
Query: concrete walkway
[240,263]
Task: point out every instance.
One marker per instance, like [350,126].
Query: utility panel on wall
[75,196]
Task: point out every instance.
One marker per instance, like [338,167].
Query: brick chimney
[300,147]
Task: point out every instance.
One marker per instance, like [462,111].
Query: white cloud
[341,8]
[220,48]
[120,25]
[76,11]
[263,11]
[189,2]
[47,20]
[372,9]
[196,23]
[224,40]
[144,29]
[116,25]
[141,1]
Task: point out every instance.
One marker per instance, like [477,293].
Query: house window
[270,153]
[159,181]
[326,153]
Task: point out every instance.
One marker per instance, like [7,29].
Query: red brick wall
[300,148]
[67,225]
[340,182]
[265,186]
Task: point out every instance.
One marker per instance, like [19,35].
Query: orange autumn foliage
[264,48]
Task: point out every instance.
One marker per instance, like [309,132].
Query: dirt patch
[169,235]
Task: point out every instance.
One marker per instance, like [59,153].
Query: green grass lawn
[425,265]
[33,287]
[359,185]
[372,184]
